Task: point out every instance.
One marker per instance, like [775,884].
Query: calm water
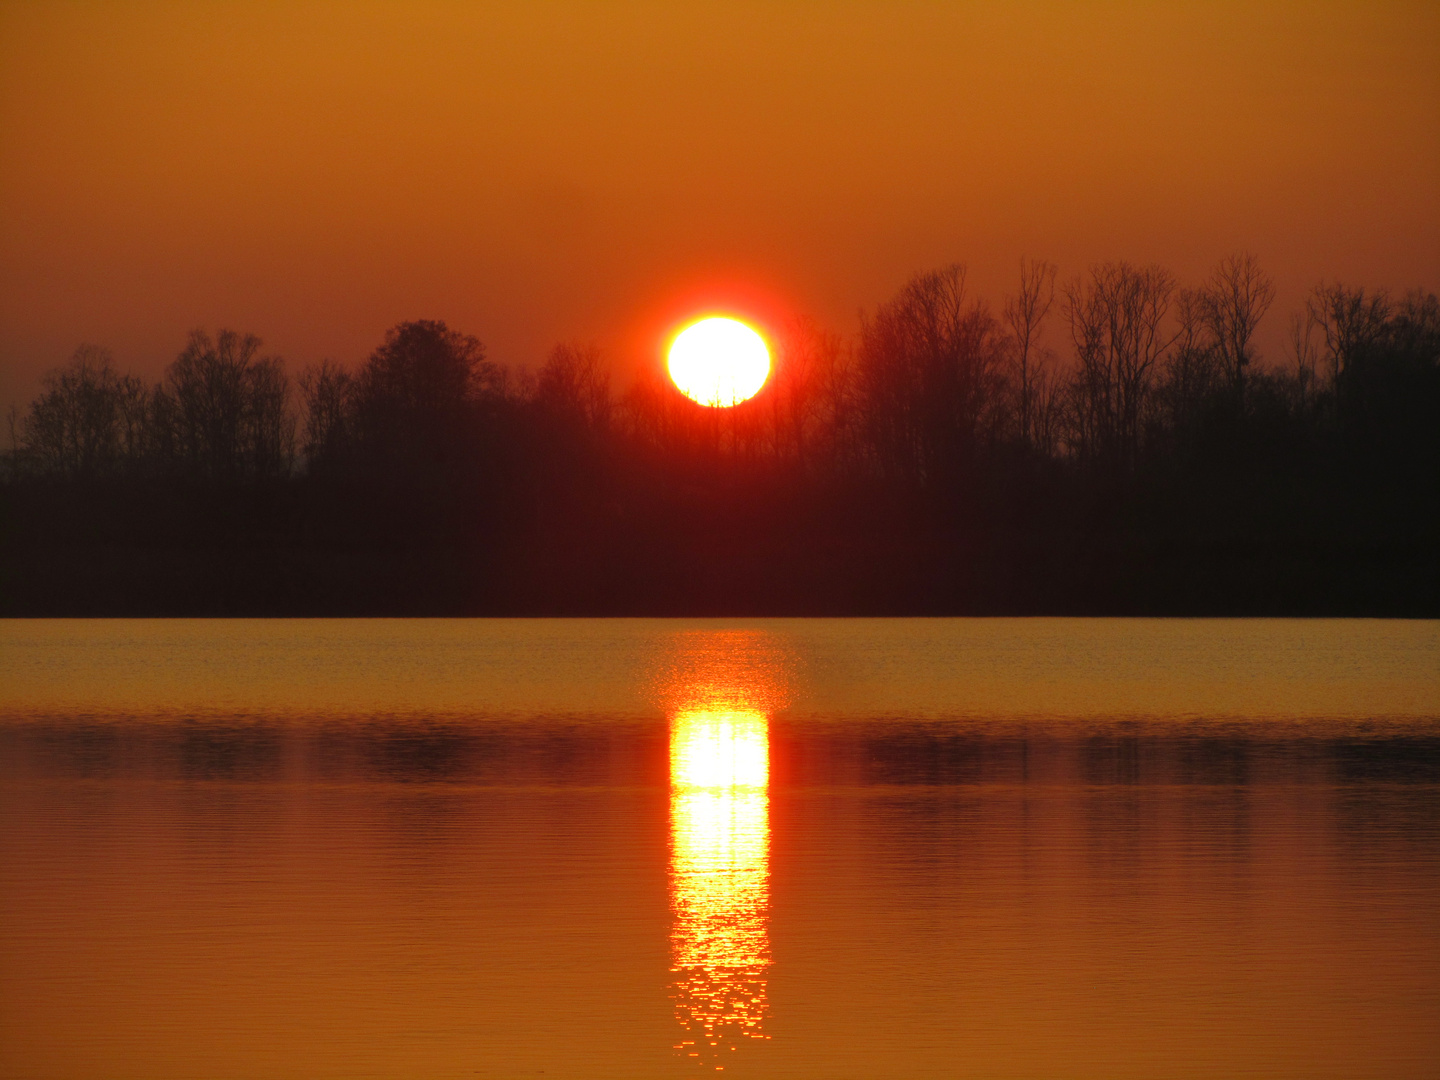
[813,848]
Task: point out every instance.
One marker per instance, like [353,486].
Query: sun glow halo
[719,362]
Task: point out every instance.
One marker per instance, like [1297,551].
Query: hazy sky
[537,172]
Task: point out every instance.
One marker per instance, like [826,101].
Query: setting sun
[719,362]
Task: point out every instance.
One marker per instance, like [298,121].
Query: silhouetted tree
[1193,369]
[939,462]
[1383,360]
[570,420]
[574,386]
[1416,327]
[1235,300]
[928,369]
[420,401]
[1305,353]
[228,411]
[88,418]
[1352,325]
[1117,323]
[804,382]
[328,392]
[1025,316]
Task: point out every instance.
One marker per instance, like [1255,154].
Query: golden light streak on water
[719,878]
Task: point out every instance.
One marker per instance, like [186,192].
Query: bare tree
[1415,328]
[133,421]
[838,412]
[82,424]
[1350,322]
[1306,353]
[162,426]
[1193,367]
[807,362]
[1237,296]
[269,424]
[1048,416]
[327,390]
[927,372]
[231,408]
[1116,319]
[1025,316]
[207,384]
[575,383]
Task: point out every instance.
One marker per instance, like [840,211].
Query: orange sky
[535,172]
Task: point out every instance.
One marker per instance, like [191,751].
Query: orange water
[851,848]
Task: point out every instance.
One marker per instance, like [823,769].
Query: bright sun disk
[719,362]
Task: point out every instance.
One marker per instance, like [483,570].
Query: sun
[719,362]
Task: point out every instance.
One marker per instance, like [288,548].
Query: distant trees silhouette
[223,411]
[573,389]
[327,390]
[944,460]
[1117,318]
[928,368]
[1232,304]
[221,414]
[421,402]
[89,419]
[1025,315]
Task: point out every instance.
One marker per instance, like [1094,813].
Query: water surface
[828,848]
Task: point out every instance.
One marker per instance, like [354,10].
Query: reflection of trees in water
[719,878]
[242,752]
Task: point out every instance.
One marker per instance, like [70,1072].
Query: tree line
[1113,443]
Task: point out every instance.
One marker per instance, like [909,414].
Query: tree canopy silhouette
[1110,444]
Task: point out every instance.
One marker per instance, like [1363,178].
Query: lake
[669,848]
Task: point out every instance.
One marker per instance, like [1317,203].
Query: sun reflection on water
[719,877]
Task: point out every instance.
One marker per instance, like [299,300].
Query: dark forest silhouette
[950,459]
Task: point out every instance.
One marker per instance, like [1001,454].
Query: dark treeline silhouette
[1113,445]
